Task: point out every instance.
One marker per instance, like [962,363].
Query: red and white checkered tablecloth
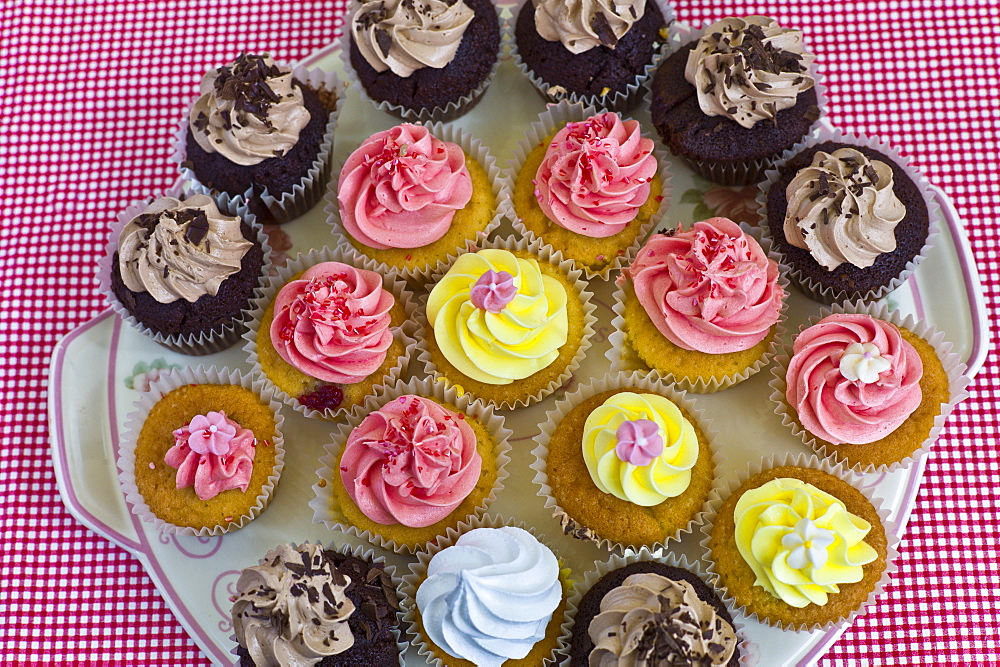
[91,95]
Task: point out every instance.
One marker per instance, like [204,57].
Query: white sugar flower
[808,545]
[864,362]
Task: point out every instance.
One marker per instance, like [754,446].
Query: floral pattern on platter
[143,374]
[711,200]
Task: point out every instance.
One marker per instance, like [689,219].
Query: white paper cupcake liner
[814,462]
[284,206]
[207,342]
[618,561]
[814,289]
[418,571]
[746,172]
[952,363]
[167,382]
[624,358]
[366,553]
[553,418]
[450,111]
[408,333]
[329,474]
[473,147]
[551,120]
[543,254]
[622,100]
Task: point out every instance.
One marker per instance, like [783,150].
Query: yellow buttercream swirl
[801,542]
[498,348]
[666,476]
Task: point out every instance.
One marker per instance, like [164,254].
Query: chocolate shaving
[201,121]
[197,229]
[871,174]
[384,41]
[812,113]
[599,24]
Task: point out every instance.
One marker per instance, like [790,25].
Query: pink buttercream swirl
[333,323]
[595,175]
[711,289]
[840,410]
[410,462]
[639,442]
[402,187]
[493,291]
[213,454]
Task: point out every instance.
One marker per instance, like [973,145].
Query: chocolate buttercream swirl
[748,69]
[249,111]
[407,35]
[651,620]
[584,24]
[842,208]
[180,249]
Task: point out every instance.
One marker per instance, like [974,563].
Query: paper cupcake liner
[577,527]
[418,571]
[952,363]
[624,358]
[472,146]
[450,111]
[673,559]
[814,289]
[802,461]
[167,382]
[622,100]
[407,333]
[746,172]
[366,553]
[549,120]
[207,342]
[543,254]
[281,208]
[329,475]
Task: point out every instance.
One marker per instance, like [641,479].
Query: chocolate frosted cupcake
[426,60]
[730,100]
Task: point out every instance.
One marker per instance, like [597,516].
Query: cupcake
[702,307]
[641,610]
[508,323]
[867,388]
[849,216]
[423,61]
[625,462]
[201,452]
[599,53]
[731,99]
[411,463]
[327,334]
[308,605]
[798,546]
[183,272]
[588,185]
[261,133]
[494,595]
[413,197]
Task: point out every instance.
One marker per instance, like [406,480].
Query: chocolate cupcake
[428,60]
[730,100]
[598,53]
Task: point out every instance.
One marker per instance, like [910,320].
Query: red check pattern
[92,93]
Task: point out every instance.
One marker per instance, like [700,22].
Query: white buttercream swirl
[582,25]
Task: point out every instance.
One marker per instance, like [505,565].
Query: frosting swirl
[401,188]
[412,461]
[842,208]
[800,541]
[711,289]
[498,347]
[595,175]
[407,35]
[180,249]
[652,620]
[614,455]
[584,24]
[249,111]
[292,609]
[213,454]
[841,395]
[748,69]
[333,323]
[489,597]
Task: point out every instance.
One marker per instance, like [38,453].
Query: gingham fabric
[92,92]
